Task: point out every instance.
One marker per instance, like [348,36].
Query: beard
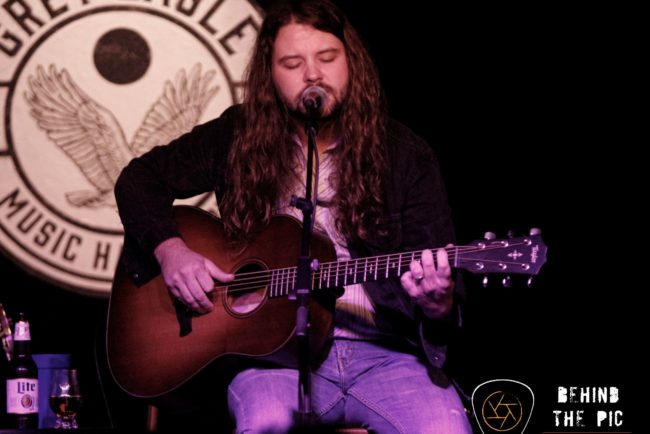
[329,114]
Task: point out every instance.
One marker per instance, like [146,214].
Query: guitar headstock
[517,255]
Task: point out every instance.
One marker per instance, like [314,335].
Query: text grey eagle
[93,138]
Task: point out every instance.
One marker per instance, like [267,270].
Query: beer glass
[65,398]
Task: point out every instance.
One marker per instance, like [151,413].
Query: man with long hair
[379,191]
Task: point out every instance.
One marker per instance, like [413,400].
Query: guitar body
[147,354]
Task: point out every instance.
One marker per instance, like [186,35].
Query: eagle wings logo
[91,136]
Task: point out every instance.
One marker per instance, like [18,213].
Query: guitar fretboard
[523,255]
[343,273]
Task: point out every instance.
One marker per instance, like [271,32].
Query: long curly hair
[262,165]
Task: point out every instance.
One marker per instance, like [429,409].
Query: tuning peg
[490,236]
[530,282]
[486,281]
[506,282]
[535,231]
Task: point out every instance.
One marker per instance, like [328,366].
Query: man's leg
[392,393]
[266,400]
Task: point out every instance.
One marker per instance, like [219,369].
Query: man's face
[304,56]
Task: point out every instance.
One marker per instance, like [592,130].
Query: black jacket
[417,216]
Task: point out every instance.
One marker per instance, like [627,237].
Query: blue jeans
[358,384]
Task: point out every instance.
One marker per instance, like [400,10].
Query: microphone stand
[303,284]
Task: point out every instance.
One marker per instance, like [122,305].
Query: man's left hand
[431,287]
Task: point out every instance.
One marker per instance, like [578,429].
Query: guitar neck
[342,273]
[523,255]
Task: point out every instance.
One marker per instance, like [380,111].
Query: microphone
[313,99]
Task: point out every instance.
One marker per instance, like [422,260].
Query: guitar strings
[382,263]
[281,285]
[283,279]
[374,260]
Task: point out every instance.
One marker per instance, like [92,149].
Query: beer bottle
[22,380]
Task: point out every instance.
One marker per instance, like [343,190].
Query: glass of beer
[65,398]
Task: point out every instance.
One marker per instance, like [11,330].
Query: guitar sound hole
[248,291]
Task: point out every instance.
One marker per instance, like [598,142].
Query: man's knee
[269,420]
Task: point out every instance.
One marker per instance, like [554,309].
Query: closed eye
[291,62]
[329,55]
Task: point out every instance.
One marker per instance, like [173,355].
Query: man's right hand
[187,274]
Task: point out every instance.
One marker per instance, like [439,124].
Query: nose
[312,72]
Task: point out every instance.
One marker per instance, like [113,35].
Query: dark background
[512,101]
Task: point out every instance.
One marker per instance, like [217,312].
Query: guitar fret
[320,277]
[272,284]
[399,265]
[329,275]
[336,279]
[365,271]
[376,267]
[326,275]
[276,283]
[387,266]
[355,270]
[345,276]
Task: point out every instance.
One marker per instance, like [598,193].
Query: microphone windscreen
[313,99]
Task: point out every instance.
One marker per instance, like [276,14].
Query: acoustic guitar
[154,345]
